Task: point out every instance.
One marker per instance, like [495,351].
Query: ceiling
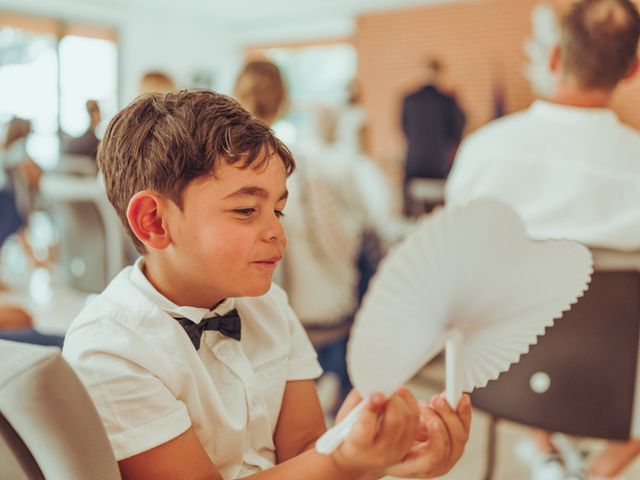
[225,11]
[250,20]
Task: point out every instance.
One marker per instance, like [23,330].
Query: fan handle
[337,434]
[454,367]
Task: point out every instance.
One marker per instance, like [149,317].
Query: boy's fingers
[413,411]
[364,430]
[439,439]
[398,420]
[423,431]
[353,399]
[451,419]
[453,423]
[410,400]
[464,412]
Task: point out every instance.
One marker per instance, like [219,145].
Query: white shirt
[150,384]
[334,197]
[570,172]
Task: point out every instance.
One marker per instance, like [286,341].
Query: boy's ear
[145,214]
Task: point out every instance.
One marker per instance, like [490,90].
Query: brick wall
[481,43]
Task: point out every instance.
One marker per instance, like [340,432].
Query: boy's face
[228,239]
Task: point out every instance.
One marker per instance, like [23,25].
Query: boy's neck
[177,287]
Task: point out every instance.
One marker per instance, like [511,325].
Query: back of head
[161,142]
[261,90]
[93,109]
[17,129]
[156,82]
[599,42]
[434,65]
[431,70]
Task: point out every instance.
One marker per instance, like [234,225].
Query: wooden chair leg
[492,441]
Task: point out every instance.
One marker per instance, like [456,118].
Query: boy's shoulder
[119,303]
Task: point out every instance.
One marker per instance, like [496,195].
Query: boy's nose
[275,231]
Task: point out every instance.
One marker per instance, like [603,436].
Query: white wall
[176,46]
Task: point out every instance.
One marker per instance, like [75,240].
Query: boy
[196,363]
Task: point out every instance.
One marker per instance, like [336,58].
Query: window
[48,70]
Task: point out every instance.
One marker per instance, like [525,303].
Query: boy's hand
[351,402]
[440,442]
[382,436]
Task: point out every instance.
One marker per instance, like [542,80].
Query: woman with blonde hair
[319,270]
[260,89]
[156,81]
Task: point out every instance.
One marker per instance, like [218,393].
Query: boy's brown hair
[599,41]
[161,142]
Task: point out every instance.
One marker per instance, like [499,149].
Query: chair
[78,165]
[580,378]
[92,240]
[49,427]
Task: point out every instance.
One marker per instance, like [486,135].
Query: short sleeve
[138,410]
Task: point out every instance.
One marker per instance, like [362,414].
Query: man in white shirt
[567,165]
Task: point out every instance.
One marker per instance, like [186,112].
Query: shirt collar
[573,114]
[195,314]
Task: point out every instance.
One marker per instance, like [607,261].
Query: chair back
[49,427]
[580,378]
[82,246]
[79,165]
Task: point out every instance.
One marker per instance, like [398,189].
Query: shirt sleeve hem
[146,437]
[303,369]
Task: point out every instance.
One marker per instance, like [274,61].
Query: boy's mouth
[269,262]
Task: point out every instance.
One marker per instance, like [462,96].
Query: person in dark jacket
[433,123]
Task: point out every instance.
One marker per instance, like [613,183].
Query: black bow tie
[228,325]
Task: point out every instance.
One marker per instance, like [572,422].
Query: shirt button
[225,350]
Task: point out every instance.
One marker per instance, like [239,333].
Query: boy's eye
[279,213]
[247,212]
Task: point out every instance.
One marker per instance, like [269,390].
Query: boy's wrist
[350,470]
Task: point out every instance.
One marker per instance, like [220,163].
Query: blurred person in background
[19,185]
[261,89]
[17,325]
[432,123]
[324,220]
[87,144]
[569,167]
[156,81]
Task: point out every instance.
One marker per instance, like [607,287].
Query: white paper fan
[469,278]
